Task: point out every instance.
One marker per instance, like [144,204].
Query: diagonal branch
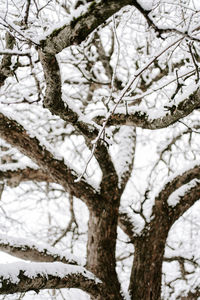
[189,181]
[23,277]
[126,224]
[54,102]
[17,136]
[13,178]
[79,28]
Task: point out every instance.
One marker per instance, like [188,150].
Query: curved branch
[23,277]
[53,101]
[80,27]
[176,183]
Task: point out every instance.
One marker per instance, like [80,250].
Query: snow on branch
[126,140]
[179,179]
[54,102]
[23,277]
[178,194]
[53,99]
[29,250]
[140,117]
[16,135]
[81,26]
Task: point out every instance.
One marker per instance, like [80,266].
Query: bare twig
[119,99]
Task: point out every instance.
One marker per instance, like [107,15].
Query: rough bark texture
[79,28]
[75,279]
[103,204]
[102,233]
[146,275]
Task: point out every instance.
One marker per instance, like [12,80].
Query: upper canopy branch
[79,28]
[142,119]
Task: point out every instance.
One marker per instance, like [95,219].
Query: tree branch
[6,63]
[80,27]
[53,101]
[28,250]
[142,120]
[13,178]
[126,224]
[190,196]
[177,182]
[23,277]
[16,135]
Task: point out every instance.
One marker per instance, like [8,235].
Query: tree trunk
[102,234]
[146,275]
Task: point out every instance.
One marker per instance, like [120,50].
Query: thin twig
[119,99]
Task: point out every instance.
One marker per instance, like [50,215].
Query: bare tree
[88,88]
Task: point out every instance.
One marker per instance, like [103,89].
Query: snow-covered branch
[81,26]
[176,182]
[54,100]
[124,160]
[23,277]
[141,118]
[178,194]
[16,135]
[28,250]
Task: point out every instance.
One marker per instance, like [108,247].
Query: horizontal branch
[23,277]
[17,136]
[142,119]
[18,176]
[28,250]
[14,52]
[14,178]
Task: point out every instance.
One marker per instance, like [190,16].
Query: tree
[100,82]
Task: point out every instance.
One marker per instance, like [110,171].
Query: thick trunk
[146,275]
[102,234]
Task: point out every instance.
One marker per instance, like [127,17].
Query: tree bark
[102,234]
[146,273]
